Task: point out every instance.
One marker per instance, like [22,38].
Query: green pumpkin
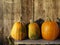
[34,31]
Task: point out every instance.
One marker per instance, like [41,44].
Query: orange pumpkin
[18,31]
[50,30]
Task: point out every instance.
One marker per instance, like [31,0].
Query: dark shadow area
[1,42]
[22,44]
[58,22]
[59,27]
[8,41]
[1,35]
[39,22]
[27,30]
[5,42]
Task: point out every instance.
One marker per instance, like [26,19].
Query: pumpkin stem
[31,21]
[20,18]
[48,18]
[58,19]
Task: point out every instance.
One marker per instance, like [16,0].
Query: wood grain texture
[1,14]
[38,9]
[44,8]
[27,10]
[7,16]
[40,41]
[1,22]
[17,10]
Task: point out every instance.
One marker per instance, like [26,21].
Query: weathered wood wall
[10,11]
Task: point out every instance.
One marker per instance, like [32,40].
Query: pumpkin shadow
[58,22]
[39,22]
[27,31]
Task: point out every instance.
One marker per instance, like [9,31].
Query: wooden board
[41,41]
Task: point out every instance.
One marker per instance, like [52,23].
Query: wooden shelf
[41,41]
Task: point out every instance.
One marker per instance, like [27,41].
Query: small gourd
[33,30]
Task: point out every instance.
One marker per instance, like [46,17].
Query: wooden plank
[58,7]
[27,10]
[44,8]
[1,13]
[50,9]
[17,10]
[40,41]
[38,9]
[1,22]
[7,16]
[1,9]
[30,9]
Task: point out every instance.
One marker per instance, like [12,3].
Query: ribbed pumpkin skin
[34,31]
[50,30]
[18,31]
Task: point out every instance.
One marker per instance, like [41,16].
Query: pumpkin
[33,31]
[50,30]
[18,31]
